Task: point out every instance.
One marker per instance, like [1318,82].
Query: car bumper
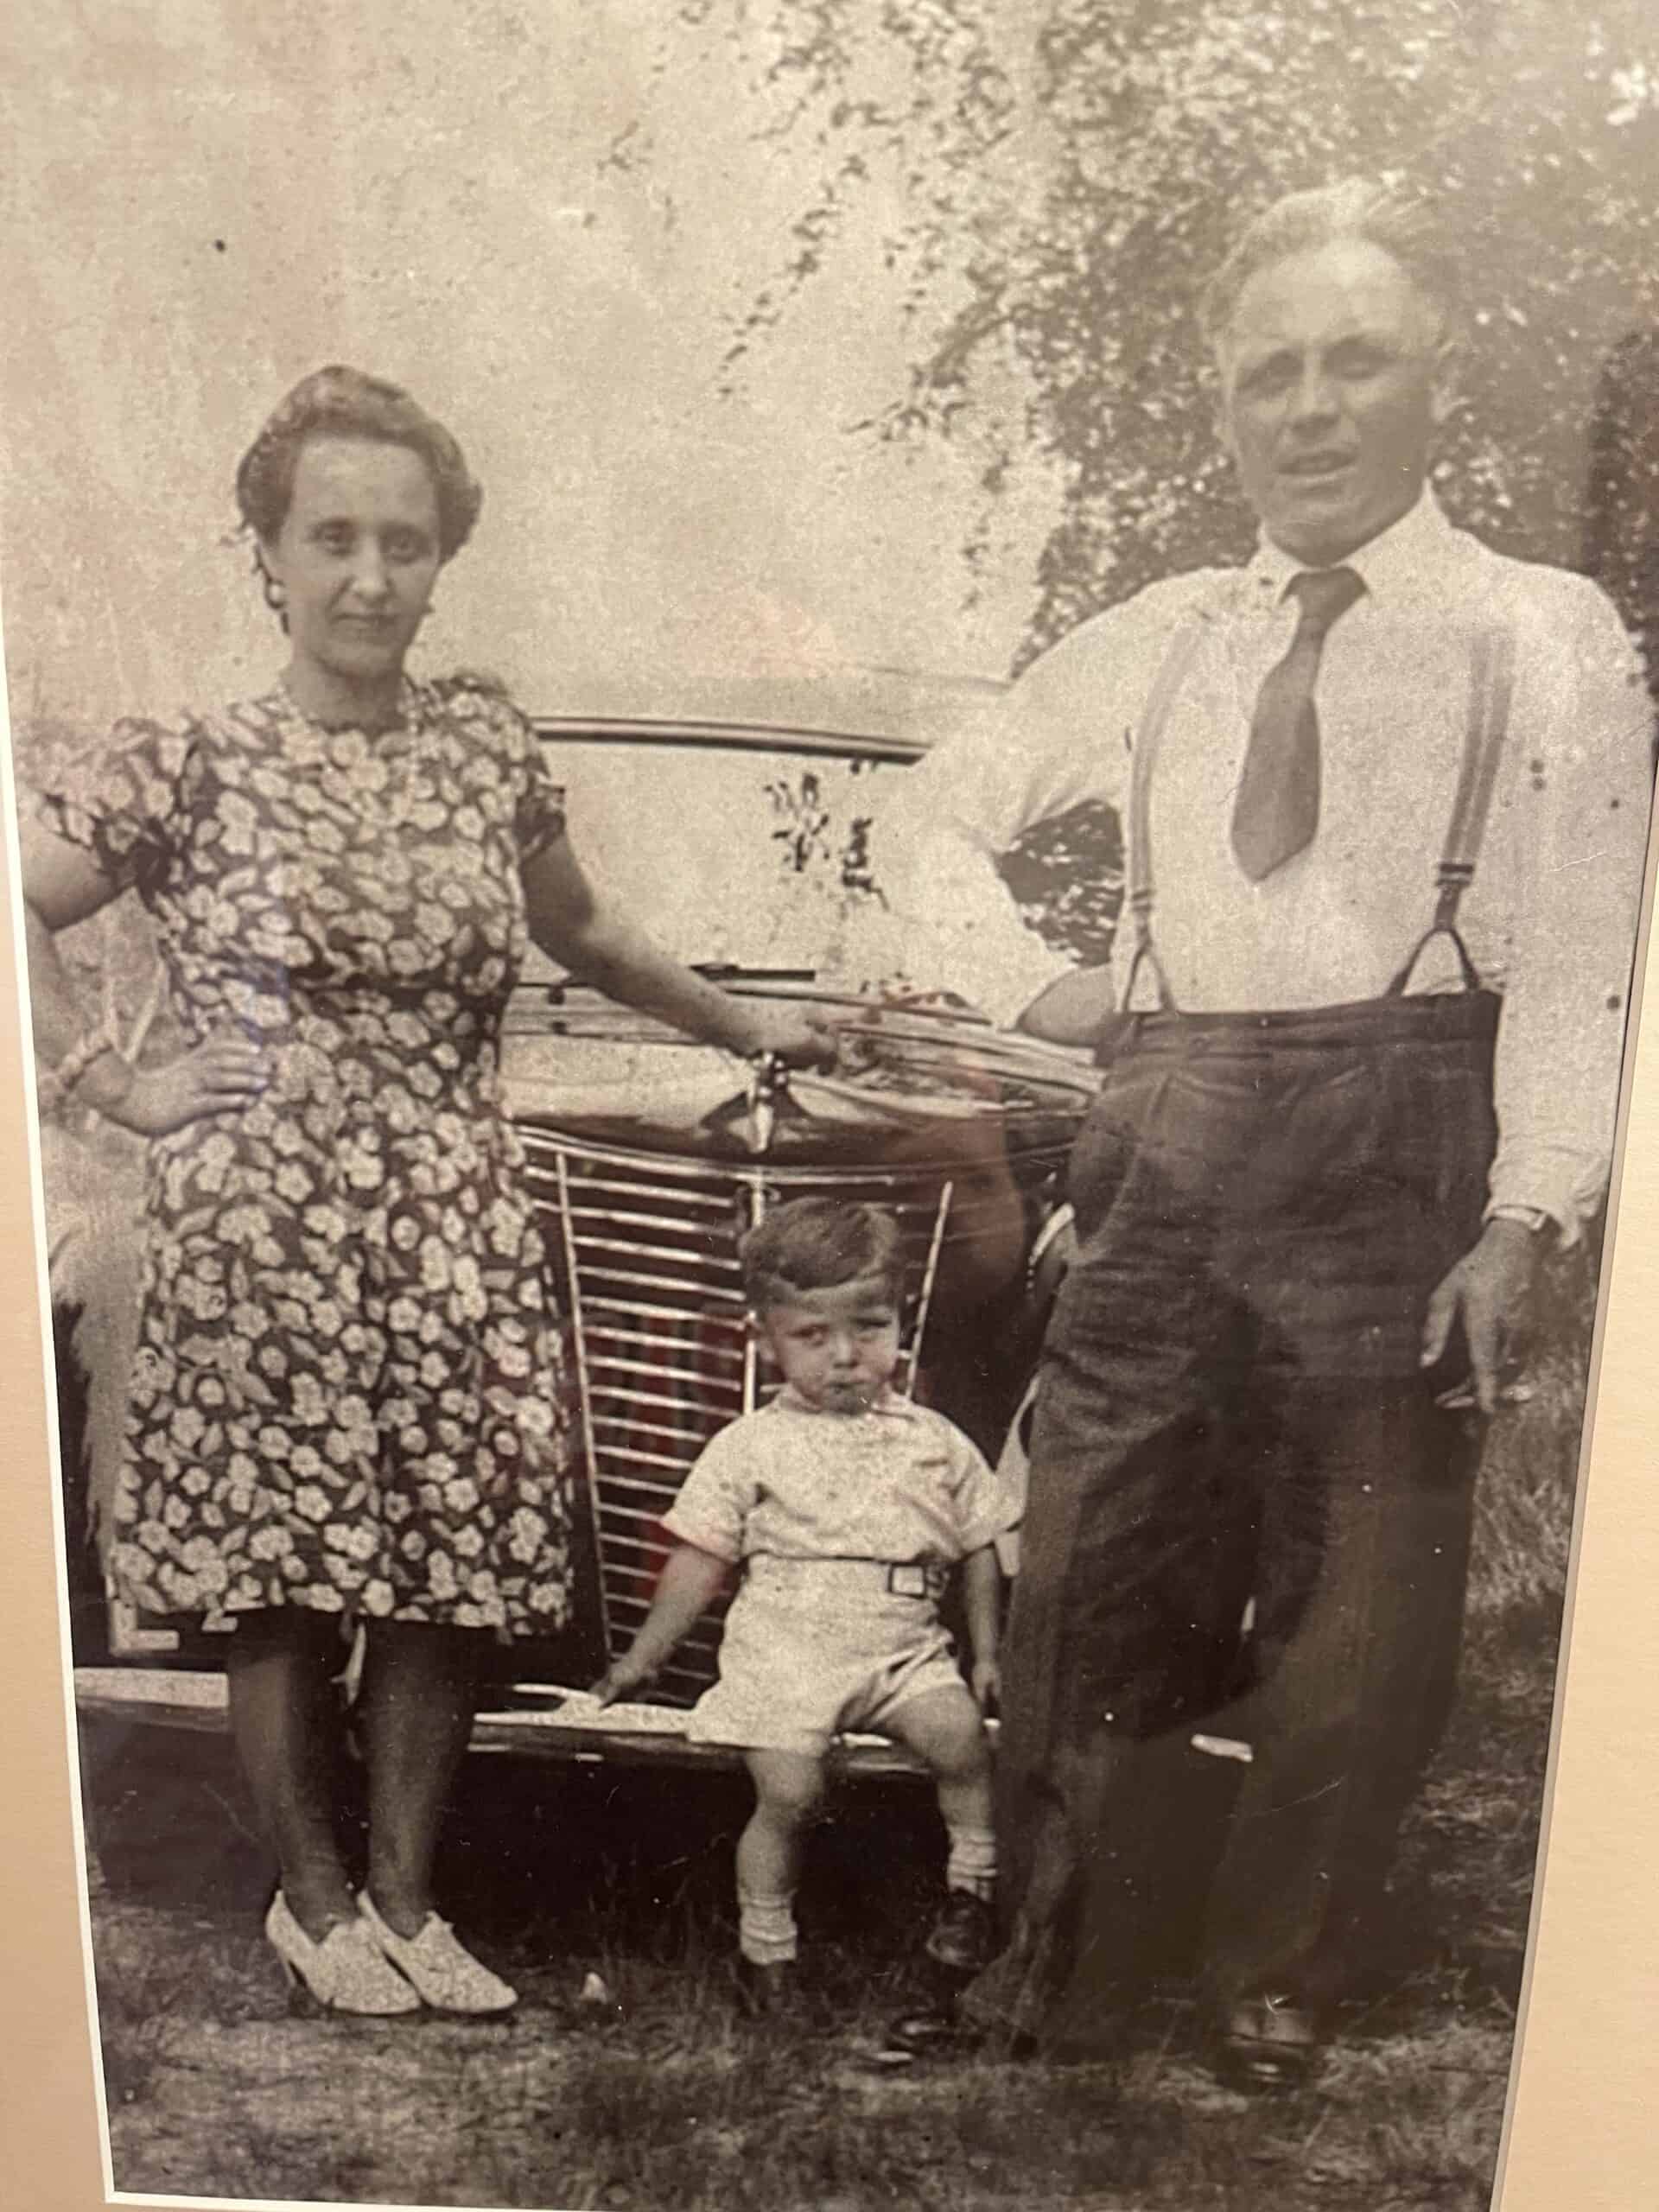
[551,1722]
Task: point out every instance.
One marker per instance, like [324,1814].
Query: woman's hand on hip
[222,1075]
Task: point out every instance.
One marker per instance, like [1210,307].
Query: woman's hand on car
[800,1038]
[222,1075]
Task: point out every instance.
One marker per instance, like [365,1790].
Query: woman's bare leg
[420,1688]
[285,1721]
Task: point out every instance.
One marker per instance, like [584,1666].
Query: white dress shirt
[1550,917]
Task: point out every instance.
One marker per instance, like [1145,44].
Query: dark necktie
[1277,809]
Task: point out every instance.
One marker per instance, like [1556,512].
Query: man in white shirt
[1384,797]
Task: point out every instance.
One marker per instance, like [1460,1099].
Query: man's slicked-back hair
[1402,223]
[818,1244]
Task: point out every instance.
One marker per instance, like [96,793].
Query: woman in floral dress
[345,1405]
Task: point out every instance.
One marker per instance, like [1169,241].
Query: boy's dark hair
[817,1244]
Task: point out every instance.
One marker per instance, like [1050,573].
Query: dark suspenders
[1491,684]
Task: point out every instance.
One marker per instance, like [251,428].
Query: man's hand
[986,1683]
[1073,1009]
[1490,1290]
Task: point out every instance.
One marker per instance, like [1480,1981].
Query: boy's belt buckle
[917,1577]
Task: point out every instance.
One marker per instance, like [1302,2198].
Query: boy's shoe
[962,1938]
[931,2031]
[768,1992]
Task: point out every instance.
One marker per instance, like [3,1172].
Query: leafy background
[1061,176]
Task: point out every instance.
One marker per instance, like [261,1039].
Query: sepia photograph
[748,738]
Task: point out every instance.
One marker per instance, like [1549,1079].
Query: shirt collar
[890,1402]
[1406,561]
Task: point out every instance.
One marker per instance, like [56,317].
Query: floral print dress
[347,1393]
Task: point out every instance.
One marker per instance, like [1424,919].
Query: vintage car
[649,1155]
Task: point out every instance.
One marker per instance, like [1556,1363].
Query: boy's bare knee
[964,1759]
[788,1786]
[948,1734]
[799,1803]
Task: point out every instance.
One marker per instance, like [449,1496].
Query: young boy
[847,1506]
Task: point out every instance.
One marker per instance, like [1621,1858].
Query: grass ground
[666,2097]
[663,2099]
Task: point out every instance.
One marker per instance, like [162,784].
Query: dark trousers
[1249,1517]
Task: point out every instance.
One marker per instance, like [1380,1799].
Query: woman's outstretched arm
[575,925]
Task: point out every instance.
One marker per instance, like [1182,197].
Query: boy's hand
[620,1679]
[986,1681]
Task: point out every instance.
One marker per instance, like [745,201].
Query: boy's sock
[972,1864]
[766,1928]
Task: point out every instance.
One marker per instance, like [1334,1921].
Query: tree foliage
[1065,172]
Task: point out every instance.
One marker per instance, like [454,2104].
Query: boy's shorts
[813,1648]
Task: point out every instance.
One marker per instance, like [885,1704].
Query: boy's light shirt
[899,1482]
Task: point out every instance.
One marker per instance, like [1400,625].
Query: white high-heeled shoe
[347,1972]
[446,1975]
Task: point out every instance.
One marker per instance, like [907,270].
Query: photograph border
[1587,2032]
[1579,2127]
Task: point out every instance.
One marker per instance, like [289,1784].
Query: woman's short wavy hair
[1385,214]
[343,403]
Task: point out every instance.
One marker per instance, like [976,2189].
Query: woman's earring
[274,592]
